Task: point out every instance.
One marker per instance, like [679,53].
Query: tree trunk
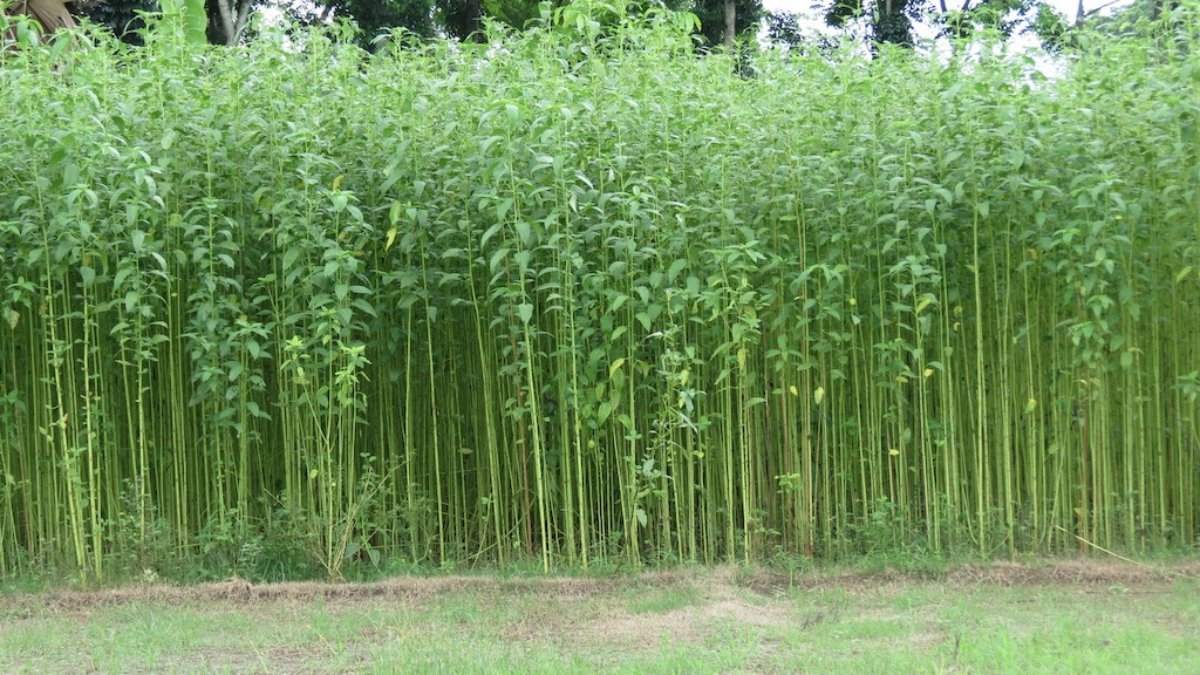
[226,24]
[730,24]
[892,25]
[232,16]
[474,21]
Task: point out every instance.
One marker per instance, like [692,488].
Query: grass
[1061,617]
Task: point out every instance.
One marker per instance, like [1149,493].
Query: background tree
[1125,19]
[889,21]
[461,19]
[458,19]
[785,29]
[374,17]
[712,14]
[895,21]
[227,19]
[122,17]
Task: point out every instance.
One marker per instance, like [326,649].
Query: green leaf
[489,233]
[188,18]
[524,232]
[503,208]
[603,411]
[497,258]
[1126,358]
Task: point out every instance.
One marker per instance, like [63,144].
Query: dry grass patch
[719,587]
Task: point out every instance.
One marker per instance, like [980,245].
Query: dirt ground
[716,582]
[604,621]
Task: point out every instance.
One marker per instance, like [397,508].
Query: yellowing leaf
[894,452]
[616,365]
[337,182]
[794,390]
[1183,274]
[819,395]
[391,239]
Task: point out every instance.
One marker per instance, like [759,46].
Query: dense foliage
[581,299]
[457,19]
